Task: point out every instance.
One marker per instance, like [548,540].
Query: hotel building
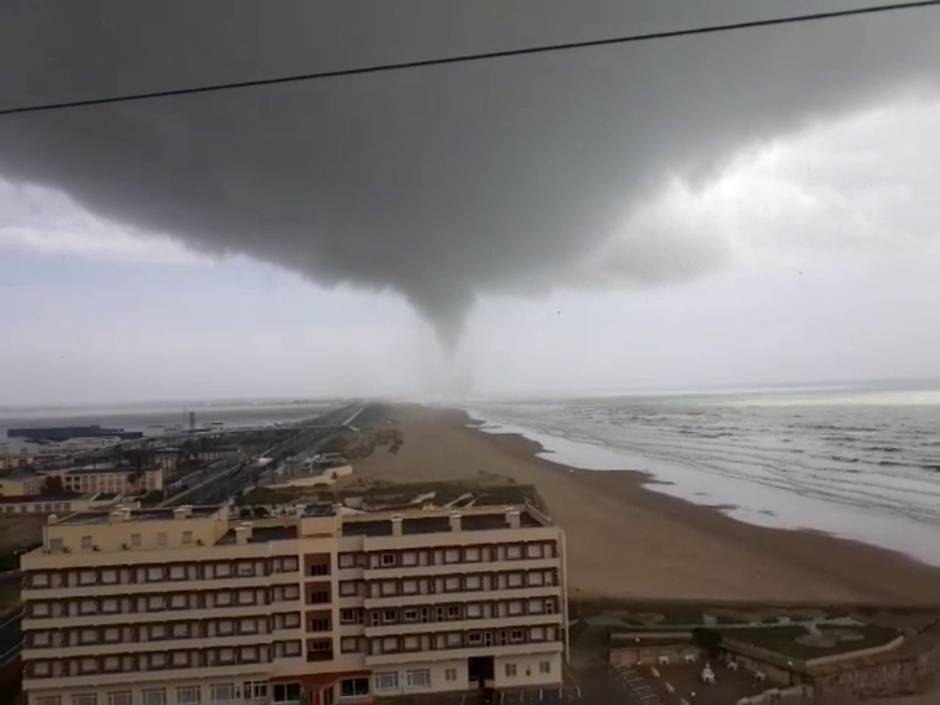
[188,606]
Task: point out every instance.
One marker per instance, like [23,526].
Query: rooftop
[147,514]
[262,534]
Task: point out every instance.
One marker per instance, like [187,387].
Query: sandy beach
[625,541]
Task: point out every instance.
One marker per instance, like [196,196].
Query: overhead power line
[467,58]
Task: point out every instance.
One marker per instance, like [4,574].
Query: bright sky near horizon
[785,243]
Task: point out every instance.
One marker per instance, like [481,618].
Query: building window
[319,624]
[388,560]
[474,611]
[452,583]
[514,580]
[389,587]
[515,607]
[222,693]
[347,560]
[472,582]
[450,674]
[119,697]
[454,640]
[475,638]
[533,550]
[49,700]
[290,564]
[188,695]
[420,678]
[135,543]
[389,644]
[40,609]
[536,578]
[410,615]
[40,638]
[387,680]
[87,577]
[510,670]
[513,551]
[87,607]
[411,643]
[349,644]
[187,537]
[85,699]
[348,588]
[545,666]
[227,655]
[389,616]
[88,665]
[286,693]
[354,688]
[537,634]
[452,555]
[177,572]
[112,635]
[180,658]
[350,616]
[153,697]
[223,570]
[516,636]
[255,690]
[87,545]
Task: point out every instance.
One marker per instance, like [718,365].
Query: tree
[52,487]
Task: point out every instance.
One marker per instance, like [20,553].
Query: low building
[120,479]
[164,458]
[21,483]
[187,605]
[651,647]
[57,504]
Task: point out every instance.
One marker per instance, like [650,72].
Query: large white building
[190,607]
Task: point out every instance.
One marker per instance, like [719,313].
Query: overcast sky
[747,208]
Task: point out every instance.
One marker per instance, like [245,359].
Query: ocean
[857,461]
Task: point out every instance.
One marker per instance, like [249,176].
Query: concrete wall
[649,654]
[528,670]
[882,678]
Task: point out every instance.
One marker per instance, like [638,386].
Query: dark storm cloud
[439,183]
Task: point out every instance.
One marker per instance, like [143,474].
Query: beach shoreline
[627,541]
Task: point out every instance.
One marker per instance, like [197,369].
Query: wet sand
[625,541]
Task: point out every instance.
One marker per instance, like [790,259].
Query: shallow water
[855,461]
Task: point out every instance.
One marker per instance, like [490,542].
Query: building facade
[191,607]
[21,483]
[120,480]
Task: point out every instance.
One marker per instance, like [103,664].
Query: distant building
[211,455]
[187,605]
[119,479]
[164,458]
[57,504]
[21,483]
